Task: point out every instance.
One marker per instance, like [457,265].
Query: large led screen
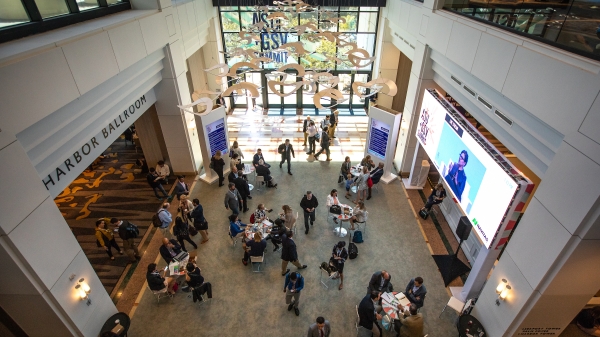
[217,139]
[480,186]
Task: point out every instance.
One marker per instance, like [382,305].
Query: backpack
[132,231]
[156,220]
[352,249]
[357,237]
[423,214]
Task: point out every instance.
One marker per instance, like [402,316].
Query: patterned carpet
[113,189]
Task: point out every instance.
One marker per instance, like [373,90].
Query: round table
[341,231]
[391,309]
[124,320]
[468,324]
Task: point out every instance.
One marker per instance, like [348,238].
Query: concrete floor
[253,304]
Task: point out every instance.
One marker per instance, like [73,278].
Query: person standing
[199,221]
[289,253]
[154,182]
[361,183]
[375,177]
[242,186]
[106,239]
[285,149]
[333,120]
[411,326]
[233,199]
[321,328]
[185,207]
[339,256]
[324,145]
[293,285]
[235,148]
[218,164]
[305,126]
[368,313]
[312,137]
[181,188]
[415,291]
[165,218]
[128,232]
[308,204]
[181,232]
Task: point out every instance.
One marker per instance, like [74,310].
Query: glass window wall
[12,13]
[51,8]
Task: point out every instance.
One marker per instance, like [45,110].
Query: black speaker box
[464,228]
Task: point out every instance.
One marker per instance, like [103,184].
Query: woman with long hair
[235,148]
[185,208]
[218,164]
[288,216]
[361,183]
[358,214]
[182,232]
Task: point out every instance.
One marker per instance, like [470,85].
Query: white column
[38,254]
[552,259]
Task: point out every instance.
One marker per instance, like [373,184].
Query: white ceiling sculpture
[202,101]
[345,53]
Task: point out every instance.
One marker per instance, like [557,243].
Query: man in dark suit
[410,326]
[416,291]
[257,157]
[375,175]
[285,149]
[263,171]
[305,129]
[324,145]
[289,253]
[241,185]
[367,317]
[181,187]
[319,329]
[169,249]
[380,282]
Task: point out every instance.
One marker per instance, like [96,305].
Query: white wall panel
[65,294]
[47,82]
[539,234]
[414,20]
[181,157]
[6,137]
[463,45]
[184,23]
[540,84]
[21,178]
[171,128]
[128,44]
[36,240]
[570,187]
[586,254]
[496,319]
[103,307]
[91,60]
[400,10]
[15,278]
[493,60]
[591,124]
[155,32]
[438,32]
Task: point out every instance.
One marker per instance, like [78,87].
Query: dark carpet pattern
[112,189]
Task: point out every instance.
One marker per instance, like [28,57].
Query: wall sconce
[503,294]
[84,286]
[82,294]
[503,283]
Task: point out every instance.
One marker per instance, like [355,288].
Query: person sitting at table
[349,182]
[254,248]
[169,249]
[195,280]
[368,162]
[358,214]
[410,324]
[380,282]
[258,157]
[437,196]
[346,165]
[275,233]
[375,175]
[235,226]
[263,171]
[288,216]
[260,214]
[339,256]
[157,281]
[332,199]
[416,291]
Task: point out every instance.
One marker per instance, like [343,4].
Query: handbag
[370,182]
[340,179]
[335,209]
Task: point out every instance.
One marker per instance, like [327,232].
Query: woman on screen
[456,177]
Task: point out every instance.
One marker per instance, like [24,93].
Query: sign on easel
[382,137]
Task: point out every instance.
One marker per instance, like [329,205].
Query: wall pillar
[552,259]
[147,127]
[38,253]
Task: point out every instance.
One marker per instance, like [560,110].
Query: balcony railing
[570,25]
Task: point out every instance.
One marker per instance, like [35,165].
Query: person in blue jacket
[294,282]
[235,225]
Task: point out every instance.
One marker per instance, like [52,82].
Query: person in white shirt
[312,132]
[163,171]
[332,199]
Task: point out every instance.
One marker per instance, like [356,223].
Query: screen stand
[450,266]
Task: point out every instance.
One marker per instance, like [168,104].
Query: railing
[571,25]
